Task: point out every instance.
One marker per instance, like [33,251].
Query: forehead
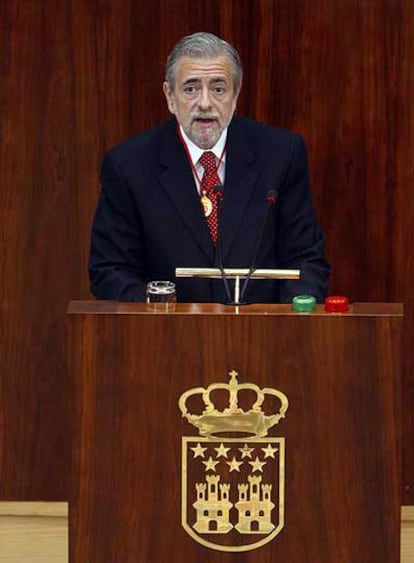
[189,68]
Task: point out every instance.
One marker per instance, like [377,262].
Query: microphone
[218,190]
[271,198]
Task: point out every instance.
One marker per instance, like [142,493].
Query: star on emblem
[222,451]
[198,450]
[234,465]
[210,464]
[246,451]
[269,451]
[257,465]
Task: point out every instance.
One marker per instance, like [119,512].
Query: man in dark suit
[158,209]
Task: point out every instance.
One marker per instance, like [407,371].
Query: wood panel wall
[78,76]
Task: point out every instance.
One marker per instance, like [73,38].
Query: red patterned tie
[208,197]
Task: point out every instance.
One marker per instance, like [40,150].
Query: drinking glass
[161,295]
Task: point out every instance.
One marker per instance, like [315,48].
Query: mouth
[205,120]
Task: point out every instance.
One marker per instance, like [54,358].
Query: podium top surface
[92,307]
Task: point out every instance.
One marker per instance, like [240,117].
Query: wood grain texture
[342,430]
[34,532]
[407,534]
[406,178]
[108,307]
[12,542]
[78,77]
[33,539]
[35,509]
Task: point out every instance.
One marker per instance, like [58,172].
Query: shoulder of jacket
[141,143]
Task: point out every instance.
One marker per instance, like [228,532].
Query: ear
[169,96]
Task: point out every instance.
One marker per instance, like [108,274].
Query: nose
[204,100]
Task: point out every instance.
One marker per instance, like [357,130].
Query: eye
[219,90]
[190,90]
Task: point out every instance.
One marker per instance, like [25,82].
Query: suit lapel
[177,179]
[239,183]
[178,182]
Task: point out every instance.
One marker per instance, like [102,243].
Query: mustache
[204,115]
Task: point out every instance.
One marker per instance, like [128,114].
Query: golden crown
[233,419]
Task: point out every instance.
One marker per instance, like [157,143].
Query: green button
[304,303]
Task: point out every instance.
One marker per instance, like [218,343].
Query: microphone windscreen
[271,196]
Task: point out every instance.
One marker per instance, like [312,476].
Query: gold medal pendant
[207,204]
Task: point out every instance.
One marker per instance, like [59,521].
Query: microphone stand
[271,198]
[218,190]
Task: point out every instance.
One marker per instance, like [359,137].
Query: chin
[206,141]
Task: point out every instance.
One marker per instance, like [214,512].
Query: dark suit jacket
[149,219]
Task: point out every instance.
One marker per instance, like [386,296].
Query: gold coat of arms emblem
[233,472]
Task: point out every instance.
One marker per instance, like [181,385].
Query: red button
[336,304]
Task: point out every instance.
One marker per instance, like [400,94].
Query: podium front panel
[340,435]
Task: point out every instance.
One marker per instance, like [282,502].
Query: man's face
[203,99]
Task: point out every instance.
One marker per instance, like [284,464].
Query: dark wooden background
[77,76]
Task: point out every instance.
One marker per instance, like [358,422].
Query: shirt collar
[196,152]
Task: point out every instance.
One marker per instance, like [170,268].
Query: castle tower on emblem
[214,507]
[254,507]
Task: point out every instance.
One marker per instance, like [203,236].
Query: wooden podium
[334,458]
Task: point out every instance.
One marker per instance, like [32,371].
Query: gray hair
[203,45]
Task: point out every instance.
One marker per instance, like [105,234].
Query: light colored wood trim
[407,514]
[56,509]
[33,539]
[407,534]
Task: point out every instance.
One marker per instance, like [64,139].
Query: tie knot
[208,161]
